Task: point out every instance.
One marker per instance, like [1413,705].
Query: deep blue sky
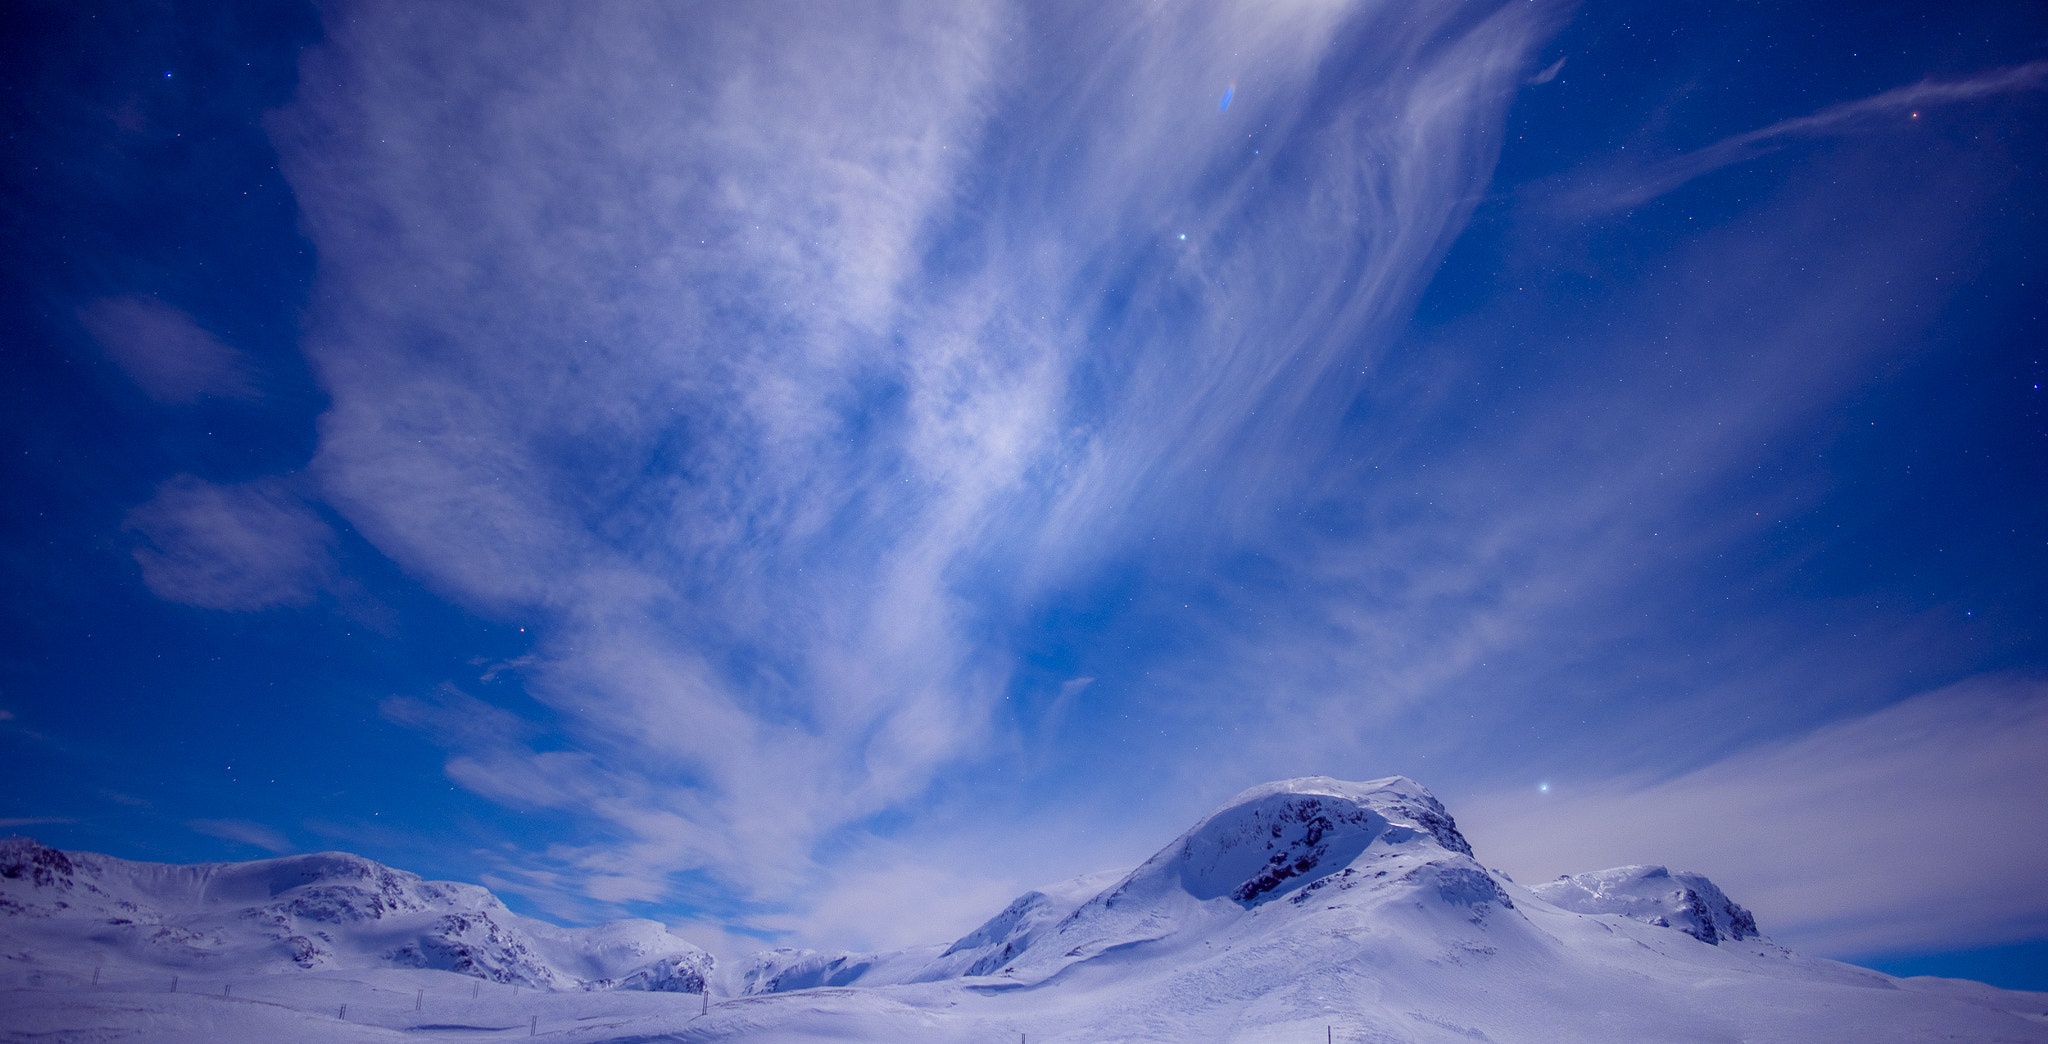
[812,475]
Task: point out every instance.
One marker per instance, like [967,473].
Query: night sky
[810,472]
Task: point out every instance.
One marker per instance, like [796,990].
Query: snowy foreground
[1302,911]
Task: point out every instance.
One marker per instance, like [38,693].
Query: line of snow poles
[419,1000]
[533,1024]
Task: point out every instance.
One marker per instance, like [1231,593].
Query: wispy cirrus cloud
[778,363]
[1515,561]
[244,832]
[167,352]
[1624,189]
[787,371]
[247,546]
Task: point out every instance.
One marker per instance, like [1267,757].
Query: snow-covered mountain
[1654,895]
[327,911]
[1305,910]
[980,952]
[1301,841]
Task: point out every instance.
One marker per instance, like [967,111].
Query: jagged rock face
[323,911]
[23,860]
[1654,895]
[1271,840]
[1261,848]
[475,944]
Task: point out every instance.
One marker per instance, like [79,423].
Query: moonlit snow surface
[1304,910]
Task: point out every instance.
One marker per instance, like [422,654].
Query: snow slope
[1300,911]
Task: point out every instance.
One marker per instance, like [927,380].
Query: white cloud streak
[756,351]
[1527,590]
[253,545]
[167,352]
[244,832]
[1623,191]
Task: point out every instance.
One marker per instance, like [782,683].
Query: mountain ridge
[322,910]
[1295,910]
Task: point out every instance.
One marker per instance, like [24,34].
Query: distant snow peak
[1654,895]
[784,969]
[1007,934]
[326,910]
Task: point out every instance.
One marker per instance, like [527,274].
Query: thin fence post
[95,975]
[419,999]
[174,984]
[227,989]
[343,1015]
[533,1026]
